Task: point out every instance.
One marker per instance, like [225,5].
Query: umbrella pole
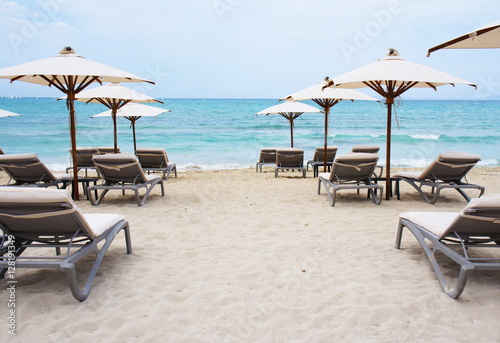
[133,132]
[388,183]
[291,132]
[327,114]
[72,122]
[115,133]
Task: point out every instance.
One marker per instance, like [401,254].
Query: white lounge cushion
[435,222]
[100,222]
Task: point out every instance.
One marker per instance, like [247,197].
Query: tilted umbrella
[71,74]
[390,77]
[114,96]
[327,97]
[134,112]
[486,37]
[5,113]
[290,110]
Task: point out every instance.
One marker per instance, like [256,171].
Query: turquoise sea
[210,134]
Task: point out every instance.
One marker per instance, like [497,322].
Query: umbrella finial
[67,50]
[393,52]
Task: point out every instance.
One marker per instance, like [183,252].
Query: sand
[240,256]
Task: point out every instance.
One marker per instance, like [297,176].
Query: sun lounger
[448,170]
[319,157]
[156,160]
[456,235]
[290,159]
[32,219]
[351,171]
[28,170]
[371,149]
[267,156]
[84,158]
[107,150]
[123,172]
[1,152]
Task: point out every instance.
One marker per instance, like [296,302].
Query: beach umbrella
[114,96]
[4,113]
[71,74]
[133,112]
[390,77]
[486,37]
[327,97]
[290,110]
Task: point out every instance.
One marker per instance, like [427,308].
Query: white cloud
[243,48]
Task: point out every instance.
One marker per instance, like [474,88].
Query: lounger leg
[465,266]
[399,235]
[69,266]
[376,199]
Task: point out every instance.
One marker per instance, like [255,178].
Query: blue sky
[249,48]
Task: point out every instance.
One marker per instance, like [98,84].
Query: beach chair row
[357,170]
[150,159]
[115,172]
[48,218]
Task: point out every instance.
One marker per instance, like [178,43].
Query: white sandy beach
[240,256]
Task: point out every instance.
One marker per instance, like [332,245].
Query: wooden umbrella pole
[388,184]
[327,114]
[133,132]
[70,96]
[115,133]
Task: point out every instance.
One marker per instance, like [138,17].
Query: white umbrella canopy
[69,73]
[133,112]
[5,113]
[327,97]
[290,110]
[114,96]
[485,37]
[390,77]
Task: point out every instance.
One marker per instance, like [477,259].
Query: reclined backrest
[354,166]
[84,156]
[319,153]
[35,212]
[106,150]
[26,168]
[152,157]
[450,165]
[267,155]
[481,217]
[372,149]
[119,168]
[291,157]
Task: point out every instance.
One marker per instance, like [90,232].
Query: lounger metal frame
[165,169]
[439,180]
[437,185]
[290,159]
[75,247]
[123,186]
[331,187]
[456,247]
[267,156]
[47,179]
